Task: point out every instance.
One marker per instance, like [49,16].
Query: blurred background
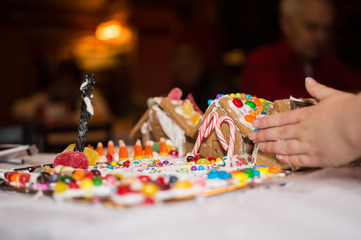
[137,49]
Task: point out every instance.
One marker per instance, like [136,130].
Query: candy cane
[228,147]
[205,130]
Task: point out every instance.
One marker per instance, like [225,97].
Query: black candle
[86,109]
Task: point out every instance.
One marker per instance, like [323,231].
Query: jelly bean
[183,184]
[261,100]
[173,179]
[24,178]
[159,181]
[73,185]
[15,177]
[193,168]
[256,173]
[232,95]
[7,175]
[185,170]
[60,187]
[238,103]
[122,190]
[250,174]
[149,189]
[224,175]
[274,170]
[256,112]
[126,164]
[148,201]
[111,179]
[218,159]
[249,118]
[95,172]
[212,175]
[243,95]
[260,109]
[257,102]
[78,175]
[190,163]
[250,104]
[87,184]
[165,162]
[113,163]
[241,176]
[97,181]
[253,114]
[249,96]
[218,96]
[110,166]
[109,158]
[144,178]
[200,168]
[214,170]
[209,101]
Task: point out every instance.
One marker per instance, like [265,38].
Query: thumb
[317,90]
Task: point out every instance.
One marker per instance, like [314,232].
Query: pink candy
[72,159]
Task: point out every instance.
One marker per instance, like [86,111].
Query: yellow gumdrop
[149,189]
[60,187]
[195,118]
[169,148]
[183,184]
[187,108]
[91,154]
[86,184]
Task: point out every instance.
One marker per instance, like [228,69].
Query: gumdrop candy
[91,154]
[175,94]
[187,108]
[72,159]
[195,118]
[195,106]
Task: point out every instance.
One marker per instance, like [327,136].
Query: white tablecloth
[325,204]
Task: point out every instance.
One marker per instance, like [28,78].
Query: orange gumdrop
[257,102]
[249,118]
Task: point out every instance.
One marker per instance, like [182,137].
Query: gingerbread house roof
[169,107]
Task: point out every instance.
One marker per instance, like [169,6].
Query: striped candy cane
[228,147]
[205,130]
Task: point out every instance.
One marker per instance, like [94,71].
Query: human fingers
[298,159]
[276,133]
[317,90]
[280,119]
[292,146]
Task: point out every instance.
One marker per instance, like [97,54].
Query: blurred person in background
[278,70]
[59,104]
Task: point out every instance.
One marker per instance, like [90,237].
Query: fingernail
[310,81]
[279,157]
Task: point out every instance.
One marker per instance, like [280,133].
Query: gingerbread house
[242,112]
[169,118]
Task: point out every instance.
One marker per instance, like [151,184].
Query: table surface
[323,204]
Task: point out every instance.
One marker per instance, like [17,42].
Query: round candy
[60,187]
[257,102]
[183,184]
[173,179]
[111,179]
[249,118]
[185,170]
[97,181]
[95,172]
[15,177]
[144,178]
[122,190]
[78,175]
[200,168]
[87,184]
[193,168]
[238,103]
[24,178]
[249,96]
[218,96]
[274,170]
[72,159]
[126,164]
[149,189]
[73,185]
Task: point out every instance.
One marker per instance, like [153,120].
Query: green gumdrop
[251,104]
[265,105]
[150,102]
[155,147]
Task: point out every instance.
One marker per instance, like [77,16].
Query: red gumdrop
[24,178]
[238,103]
[72,159]
[175,94]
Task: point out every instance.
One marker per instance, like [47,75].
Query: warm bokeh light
[112,31]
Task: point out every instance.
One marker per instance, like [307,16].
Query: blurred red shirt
[275,72]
